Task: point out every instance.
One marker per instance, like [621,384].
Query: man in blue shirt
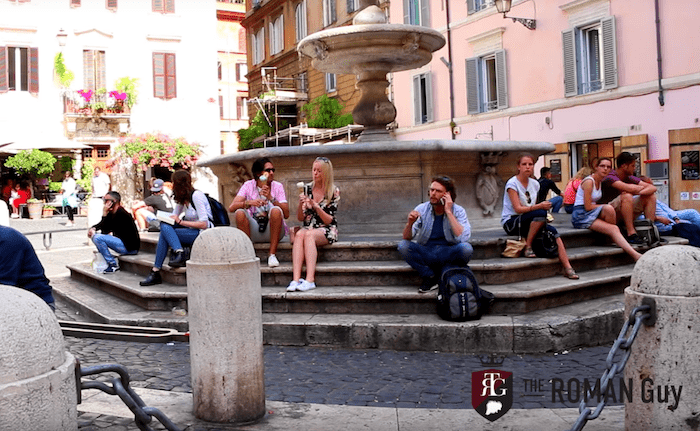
[436,234]
[20,266]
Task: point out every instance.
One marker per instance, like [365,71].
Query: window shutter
[112,4]
[406,11]
[3,70]
[425,13]
[34,70]
[569,48]
[609,53]
[350,4]
[334,16]
[241,40]
[100,70]
[416,101]
[170,6]
[88,70]
[428,97]
[472,66]
[170,87]
[158,75]
[280,34]
[501,79]
[75,3]
[157,5]
[471,6]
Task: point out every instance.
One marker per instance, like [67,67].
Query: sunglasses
[271,170]
[527,195]
[322,159]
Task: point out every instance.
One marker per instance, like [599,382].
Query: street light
[503,6]
[62,36]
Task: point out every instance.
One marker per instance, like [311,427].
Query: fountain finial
[370,15]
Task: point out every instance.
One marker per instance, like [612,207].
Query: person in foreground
[436,234]
[118,222]
[588,214]
[523,217]
[183,231]
[317,212]
[20,266]
[629,195]
[260,208]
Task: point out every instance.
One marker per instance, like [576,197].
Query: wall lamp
[503,6]
[62,36]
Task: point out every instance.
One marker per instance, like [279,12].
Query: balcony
[95,114]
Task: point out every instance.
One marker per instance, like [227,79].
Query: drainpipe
[658,51]
[449,68]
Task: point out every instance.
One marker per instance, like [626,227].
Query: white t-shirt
[596,194]
[100,185]
[533,187]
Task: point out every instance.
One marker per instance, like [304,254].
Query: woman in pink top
[572,187]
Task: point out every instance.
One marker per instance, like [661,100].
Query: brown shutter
[170,82]
[100,70]
[170,6]
[34,70]
[88,70]
[159,75]
[75,3]
[112,4]
[157,5]
[3,69]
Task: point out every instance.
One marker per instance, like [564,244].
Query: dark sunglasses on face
[271,170]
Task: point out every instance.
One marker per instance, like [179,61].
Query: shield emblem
[492,393]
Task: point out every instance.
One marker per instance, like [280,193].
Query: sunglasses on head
[322,159]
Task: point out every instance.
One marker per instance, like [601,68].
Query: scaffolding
[278,91]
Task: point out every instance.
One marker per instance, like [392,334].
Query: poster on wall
[690,165]
[555,166]
[685,196]
[638,165]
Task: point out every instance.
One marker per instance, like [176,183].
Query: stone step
[515,298]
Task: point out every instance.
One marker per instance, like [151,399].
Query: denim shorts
[582,219]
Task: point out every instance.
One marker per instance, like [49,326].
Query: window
[102,152]
[258,42]
[590,58]
[277,35]
[330,82]
[219,70]
[352,5]
[164,6]
[300,17]
[19,69]
[477,5]
[241,72]
[221,107]
[422,99]
[164,82]
[487,88]
[75,3]
[329,15]
[87,153]
[416,12]
[302,82]
[242,108]
[112,4]
[94,72]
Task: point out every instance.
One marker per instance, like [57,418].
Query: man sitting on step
[124,238]
[436,234]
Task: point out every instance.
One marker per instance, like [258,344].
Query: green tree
[130,87]
[36,163]
[258,127]
[325,113]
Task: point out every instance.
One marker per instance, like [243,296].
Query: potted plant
[48,211]
[34,206]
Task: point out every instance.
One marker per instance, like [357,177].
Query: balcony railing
[96,104]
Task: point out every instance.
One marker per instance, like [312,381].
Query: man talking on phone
[124,238]
[436,234]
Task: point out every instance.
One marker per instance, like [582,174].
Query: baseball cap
[157,186]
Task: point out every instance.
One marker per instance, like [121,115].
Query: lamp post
[503,6]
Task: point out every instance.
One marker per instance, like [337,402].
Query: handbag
[514,247]
[545,243]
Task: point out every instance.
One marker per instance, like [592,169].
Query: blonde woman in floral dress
[317,212]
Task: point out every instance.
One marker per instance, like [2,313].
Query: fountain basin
[381,182]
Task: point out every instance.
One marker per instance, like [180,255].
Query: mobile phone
[307,189]
[442,201]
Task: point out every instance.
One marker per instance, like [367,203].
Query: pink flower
[87,95]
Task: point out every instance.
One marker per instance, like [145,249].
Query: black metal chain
[623,343]
[120,387]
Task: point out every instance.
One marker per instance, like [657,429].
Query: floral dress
[313,221]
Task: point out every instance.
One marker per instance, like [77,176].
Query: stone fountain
[384,48]
[382,179]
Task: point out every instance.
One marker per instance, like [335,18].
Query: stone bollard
[4,214]
[95,207]
[37,374]
[664,366]
[226,336]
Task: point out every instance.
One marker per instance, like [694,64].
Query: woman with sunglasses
[317,208]
[260,208]
[197,217]
[588,214]
[523,217]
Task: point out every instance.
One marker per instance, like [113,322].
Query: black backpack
[459,296]
[218,212]
[545,242]
[648,232]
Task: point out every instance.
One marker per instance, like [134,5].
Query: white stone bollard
[226,335]
[664,366]
[37,374]
[95,207]
[4,214]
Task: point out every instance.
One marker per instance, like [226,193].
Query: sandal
[570,274]
[528,252]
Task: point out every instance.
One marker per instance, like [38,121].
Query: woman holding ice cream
[317,208]
[260,208]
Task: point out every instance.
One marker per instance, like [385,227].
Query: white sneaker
[306,285]
[70,223]
[293,285]
[272,261]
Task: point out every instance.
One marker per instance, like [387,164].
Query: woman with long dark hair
[197,217]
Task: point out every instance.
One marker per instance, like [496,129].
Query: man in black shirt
[117,221]
[546,184]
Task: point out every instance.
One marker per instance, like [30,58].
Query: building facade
[594,77]
[165,45]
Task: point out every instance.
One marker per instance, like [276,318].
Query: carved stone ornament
[489,185]
[238,175]
[410,43]
[320,50]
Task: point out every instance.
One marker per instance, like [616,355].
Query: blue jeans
[557,202]
[174,238]
[429,260]
[105,242]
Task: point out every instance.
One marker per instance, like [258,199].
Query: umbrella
[41,142]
